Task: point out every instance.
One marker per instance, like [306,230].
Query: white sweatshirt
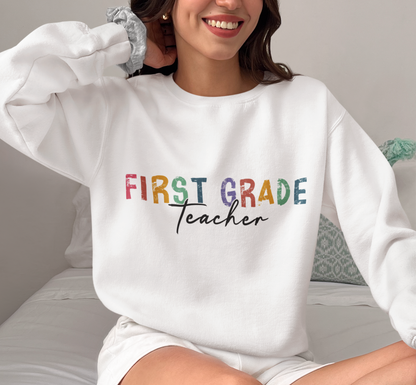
[205,210]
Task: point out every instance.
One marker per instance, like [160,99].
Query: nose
[229,4]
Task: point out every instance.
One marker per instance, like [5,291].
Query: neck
[208,77]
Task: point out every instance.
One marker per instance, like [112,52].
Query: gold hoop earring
[166,16]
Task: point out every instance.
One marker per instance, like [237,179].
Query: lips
[225,26]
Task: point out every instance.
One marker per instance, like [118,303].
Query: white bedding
[344,321]
[55,336]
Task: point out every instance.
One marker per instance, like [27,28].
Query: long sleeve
[361,186]
[53,102]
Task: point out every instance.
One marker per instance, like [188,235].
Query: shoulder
[155,82]
[308,94]
[139,86]
[299,83]
[301,90]
[308,83]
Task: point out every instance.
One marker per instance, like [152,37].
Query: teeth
[222,24]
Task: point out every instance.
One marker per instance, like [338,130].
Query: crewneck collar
[189,98]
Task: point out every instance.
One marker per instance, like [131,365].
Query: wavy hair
[255,54]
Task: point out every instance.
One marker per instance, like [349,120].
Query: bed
[55,336]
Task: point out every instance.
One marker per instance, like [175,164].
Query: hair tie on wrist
[136,32]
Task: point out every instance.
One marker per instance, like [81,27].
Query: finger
[157,33]
[167,28]
[168,33]
[170,41]
[157,58]
[163,22]
[170,56]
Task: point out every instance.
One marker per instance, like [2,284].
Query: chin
[221,55]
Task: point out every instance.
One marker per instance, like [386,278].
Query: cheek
[255,7]
[187,11]
[254,10]
[184,21]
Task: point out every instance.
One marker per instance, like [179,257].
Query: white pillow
[405,173]
[79,251]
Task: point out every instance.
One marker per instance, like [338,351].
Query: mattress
[55,336]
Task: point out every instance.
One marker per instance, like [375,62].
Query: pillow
[333,261]
[79,252]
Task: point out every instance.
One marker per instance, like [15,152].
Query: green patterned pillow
[333,261]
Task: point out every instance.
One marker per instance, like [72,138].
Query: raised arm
[52,99]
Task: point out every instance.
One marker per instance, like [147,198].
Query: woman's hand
[161,48]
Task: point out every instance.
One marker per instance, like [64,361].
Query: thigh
[349,371]
[176,365]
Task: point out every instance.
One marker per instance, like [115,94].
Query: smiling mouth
[223,24]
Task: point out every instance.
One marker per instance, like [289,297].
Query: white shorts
[128,341]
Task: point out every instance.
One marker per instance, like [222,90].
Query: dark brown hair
[254,56]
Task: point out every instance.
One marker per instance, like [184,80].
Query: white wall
[363,50]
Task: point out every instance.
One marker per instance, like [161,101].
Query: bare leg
[401,372]
[175,365]
[376,366]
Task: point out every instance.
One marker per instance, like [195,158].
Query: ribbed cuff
[113,44]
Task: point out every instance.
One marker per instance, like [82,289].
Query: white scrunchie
[136,32]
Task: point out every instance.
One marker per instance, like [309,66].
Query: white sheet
[344,321]
[70,284]
[336,294]
[55,336]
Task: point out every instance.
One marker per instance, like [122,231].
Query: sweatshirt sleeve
[361,186]
[53,102]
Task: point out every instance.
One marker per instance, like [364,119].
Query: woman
[206,189]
